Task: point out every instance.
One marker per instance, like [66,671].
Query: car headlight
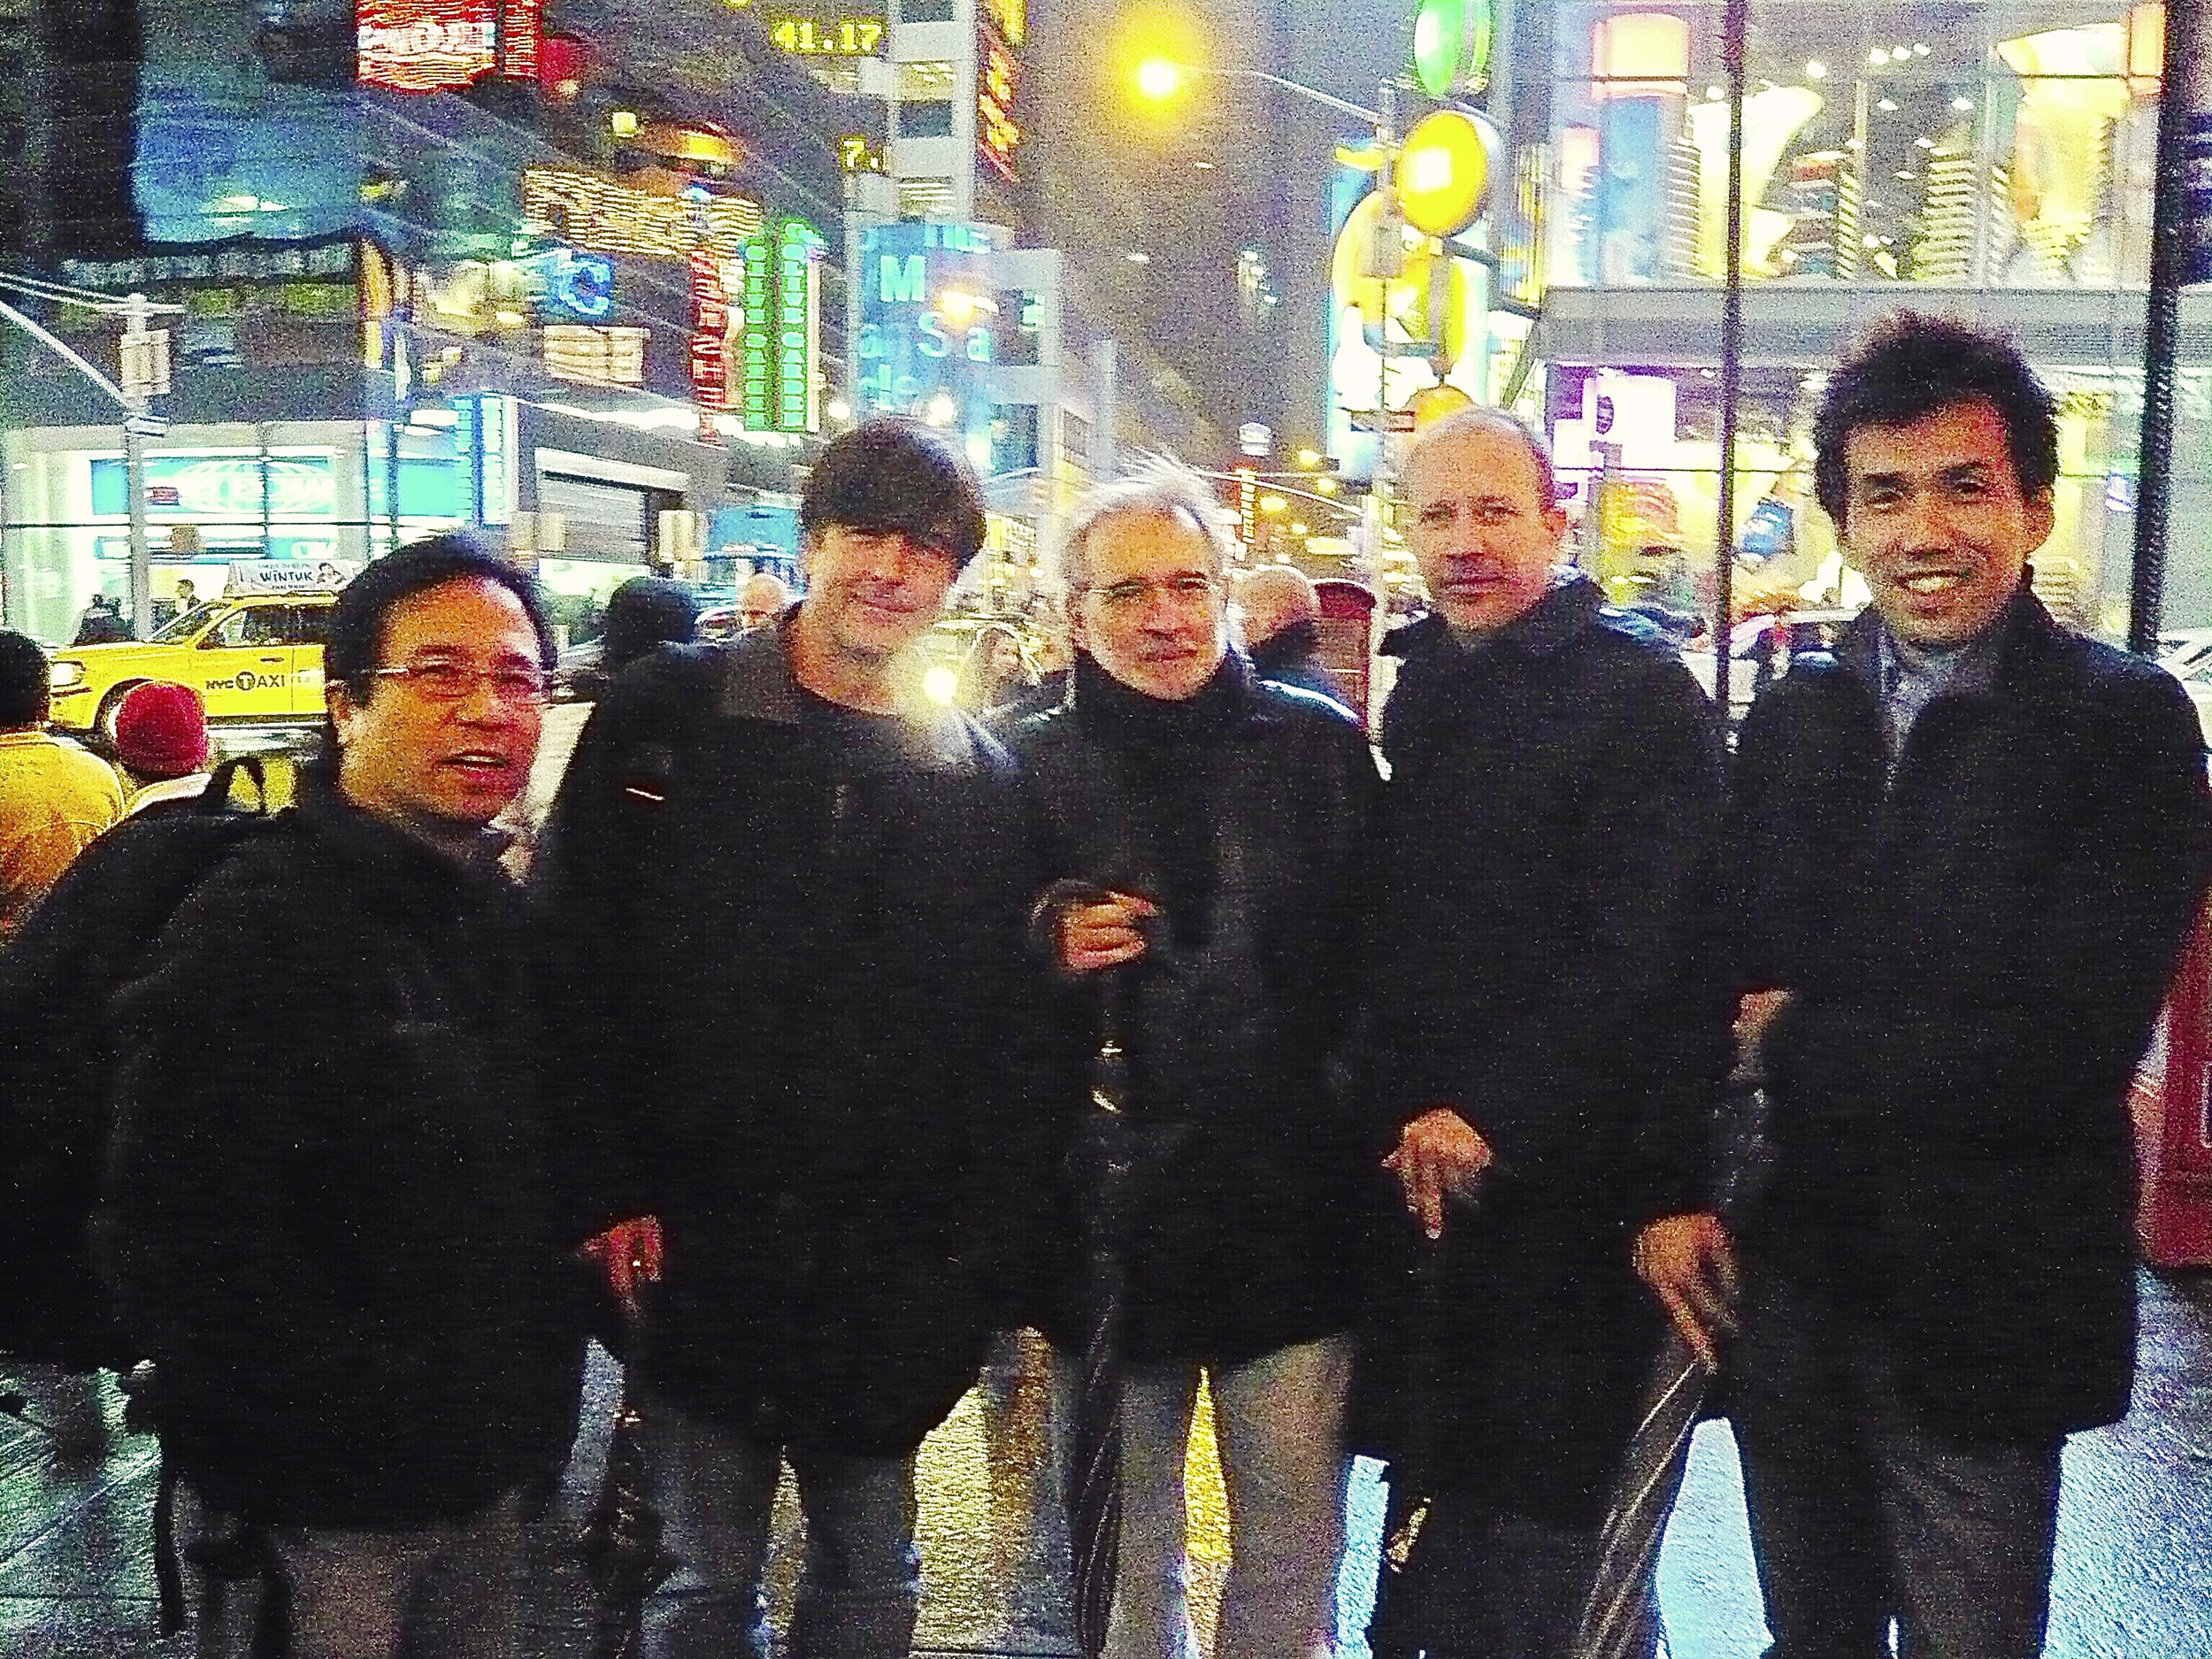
[66,674]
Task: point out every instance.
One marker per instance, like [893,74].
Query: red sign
[710,333]
[434,45]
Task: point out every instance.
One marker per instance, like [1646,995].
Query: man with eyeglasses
[1207,833]
[797,886]
[1540,1033]
[334,1218]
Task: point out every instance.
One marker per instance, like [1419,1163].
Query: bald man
[761,602]
[1552,782]
[1282,630]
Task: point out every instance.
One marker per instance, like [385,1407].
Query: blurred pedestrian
[1208,835]
[761,602]
[1540,1033]
[1967,847]
[102,624]
[1282,630]
[332,1217]
[996,674]
[778,836]
[644,614]
[162,744]
[54,797]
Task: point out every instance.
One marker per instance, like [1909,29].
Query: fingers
[1104,935]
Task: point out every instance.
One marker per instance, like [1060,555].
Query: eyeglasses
[1190,592]
[450,682]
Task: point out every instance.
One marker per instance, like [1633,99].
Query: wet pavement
[2134,1576]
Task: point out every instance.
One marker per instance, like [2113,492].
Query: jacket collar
[1569,609]
[757,684]
[2022,636]
[390,853]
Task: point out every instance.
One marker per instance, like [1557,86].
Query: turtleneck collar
[1106,707]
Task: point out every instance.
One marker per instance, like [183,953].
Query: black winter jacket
[1977,953]
[1551,801]
[1245,812]
[330,1216]
[794,998]
[1292,657]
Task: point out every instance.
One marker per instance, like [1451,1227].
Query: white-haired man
[1207,831]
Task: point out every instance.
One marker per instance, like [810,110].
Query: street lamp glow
[1159,79]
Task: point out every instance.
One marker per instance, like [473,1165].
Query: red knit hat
[161,730]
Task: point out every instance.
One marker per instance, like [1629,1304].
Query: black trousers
[1860,1516]
[1488,1583]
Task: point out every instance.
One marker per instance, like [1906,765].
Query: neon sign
[710,333]
[827,32]
[997,134]
[439,45]
[782,341]
[590,211]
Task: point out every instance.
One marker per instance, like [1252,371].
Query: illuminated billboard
[587,210]
[828,31]
[780,344]
[438,45]
[998,133]
[927,327]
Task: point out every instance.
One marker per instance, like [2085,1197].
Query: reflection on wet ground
[2135,1546]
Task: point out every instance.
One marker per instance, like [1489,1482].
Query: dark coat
[1551,801]
[1245,813]
[1292,657]
[793,992]
[1978,954]
[331,1215]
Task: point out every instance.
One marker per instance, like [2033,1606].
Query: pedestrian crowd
[837,1030]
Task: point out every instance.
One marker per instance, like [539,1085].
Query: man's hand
[1105,934]
[1691,1266]
[1754,1014]
[1438,1155]
[630,1253]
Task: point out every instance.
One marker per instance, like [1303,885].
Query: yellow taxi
[258,657]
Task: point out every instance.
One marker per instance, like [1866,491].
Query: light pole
[145,363]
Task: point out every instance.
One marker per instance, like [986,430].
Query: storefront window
[1967,145]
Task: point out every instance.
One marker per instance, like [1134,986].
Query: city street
[2135,1545]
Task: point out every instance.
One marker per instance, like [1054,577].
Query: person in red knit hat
[161,743]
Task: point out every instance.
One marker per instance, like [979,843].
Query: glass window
[229,633]
[932,120]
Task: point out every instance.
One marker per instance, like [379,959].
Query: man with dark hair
[796,896]
[1554,781]
[1964,852]
[331,1216]
[54,797]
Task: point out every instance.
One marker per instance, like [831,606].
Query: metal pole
[2170,258]
[134,315]
[1732,49]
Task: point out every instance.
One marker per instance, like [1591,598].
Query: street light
[1160,79]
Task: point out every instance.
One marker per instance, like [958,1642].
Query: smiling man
[1963,855]
[332,1217]
[1554,780]
[795,894]
[1207,833]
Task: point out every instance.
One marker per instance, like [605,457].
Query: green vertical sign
[783,330]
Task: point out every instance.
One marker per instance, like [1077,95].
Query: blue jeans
[1859,1515]
[1280,1424]
[717,1492]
